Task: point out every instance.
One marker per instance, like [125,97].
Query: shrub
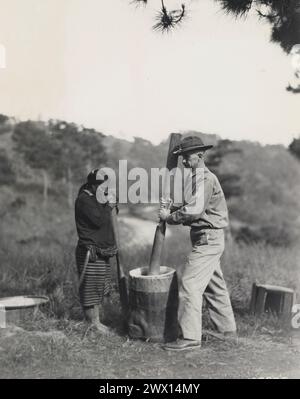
[7,174]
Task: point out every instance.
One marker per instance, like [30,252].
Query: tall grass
[37,248]
[42,272]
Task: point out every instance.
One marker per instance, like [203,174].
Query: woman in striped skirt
[96,243]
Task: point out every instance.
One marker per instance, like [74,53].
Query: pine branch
[140,1]
[294,90]
[167,20]
[236,7]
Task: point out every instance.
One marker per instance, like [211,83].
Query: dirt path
[143,230]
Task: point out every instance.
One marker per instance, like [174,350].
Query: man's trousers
[202,276]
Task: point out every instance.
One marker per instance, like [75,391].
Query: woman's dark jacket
[93,222]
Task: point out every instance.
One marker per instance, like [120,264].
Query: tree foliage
[36,145]
[3,119]
[294,147]
[7,174]
[33,141]
[80,149]
[58,146]
[229,180]
[60,150]
[283,16]
[4,124]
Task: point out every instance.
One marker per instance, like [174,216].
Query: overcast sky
[98,63]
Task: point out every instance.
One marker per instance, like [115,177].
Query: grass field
[55,343]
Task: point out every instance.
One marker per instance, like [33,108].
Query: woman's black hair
[91,180]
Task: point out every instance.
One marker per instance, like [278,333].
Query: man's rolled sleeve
[186,214]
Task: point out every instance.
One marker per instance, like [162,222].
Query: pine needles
[167,20]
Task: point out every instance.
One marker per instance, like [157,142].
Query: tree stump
[271,298]
[153,305]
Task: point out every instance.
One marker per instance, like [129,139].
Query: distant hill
[261,183]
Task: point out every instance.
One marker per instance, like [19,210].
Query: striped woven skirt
[95,283]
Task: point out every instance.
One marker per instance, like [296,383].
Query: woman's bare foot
[103,329]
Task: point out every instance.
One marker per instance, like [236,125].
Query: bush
[270,235]
[5,126]
[294,147]
[7,174]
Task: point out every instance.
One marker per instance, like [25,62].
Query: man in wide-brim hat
[205,211]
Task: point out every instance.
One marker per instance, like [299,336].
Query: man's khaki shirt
[211,211]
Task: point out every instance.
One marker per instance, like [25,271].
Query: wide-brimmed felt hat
[191,143]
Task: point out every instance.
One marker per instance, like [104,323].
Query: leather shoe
[182,344]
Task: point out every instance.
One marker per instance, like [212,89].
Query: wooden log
[153,305]
[160,231]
